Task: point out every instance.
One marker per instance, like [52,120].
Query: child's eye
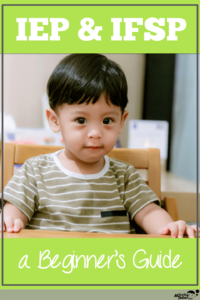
[81,120]
[107,121]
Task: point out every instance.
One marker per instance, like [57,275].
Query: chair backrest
[141,159]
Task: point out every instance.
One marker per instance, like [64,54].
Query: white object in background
[45,105]
[144,134]
[38,136]
[9,122]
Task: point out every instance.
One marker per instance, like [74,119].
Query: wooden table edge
[28,233]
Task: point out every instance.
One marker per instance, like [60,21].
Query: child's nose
[95,133]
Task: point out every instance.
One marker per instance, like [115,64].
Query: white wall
[26,76]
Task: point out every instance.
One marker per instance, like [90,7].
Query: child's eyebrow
[86,113]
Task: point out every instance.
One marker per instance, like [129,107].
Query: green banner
[102,29]
[94,262]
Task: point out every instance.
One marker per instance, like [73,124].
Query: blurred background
[162,92]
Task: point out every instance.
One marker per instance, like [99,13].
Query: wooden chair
[141,159]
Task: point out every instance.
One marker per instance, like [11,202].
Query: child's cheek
[76,138]
[110,140]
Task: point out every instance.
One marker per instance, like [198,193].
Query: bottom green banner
[100,261]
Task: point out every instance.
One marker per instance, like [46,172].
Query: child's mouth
[94,147]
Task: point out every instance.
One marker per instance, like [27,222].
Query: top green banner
[99,28]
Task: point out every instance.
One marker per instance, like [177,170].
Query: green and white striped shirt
[55,198]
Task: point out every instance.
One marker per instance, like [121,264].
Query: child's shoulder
[43,159]
[120,165]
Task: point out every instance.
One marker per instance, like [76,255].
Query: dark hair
[80,78]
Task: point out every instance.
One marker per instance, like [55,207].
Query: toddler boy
[80,188]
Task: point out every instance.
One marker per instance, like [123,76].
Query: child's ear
[124,116]
[52,119]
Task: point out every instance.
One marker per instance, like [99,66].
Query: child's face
[89,130]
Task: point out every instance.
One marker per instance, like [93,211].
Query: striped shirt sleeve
[137,193]
[21,190]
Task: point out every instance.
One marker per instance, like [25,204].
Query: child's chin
[93,158]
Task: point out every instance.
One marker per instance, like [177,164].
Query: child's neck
[81,167]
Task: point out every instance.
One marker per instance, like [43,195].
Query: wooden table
[28,233]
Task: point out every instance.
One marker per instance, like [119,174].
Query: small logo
[188,295]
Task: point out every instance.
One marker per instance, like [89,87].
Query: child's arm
[14,219]
[155,220]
